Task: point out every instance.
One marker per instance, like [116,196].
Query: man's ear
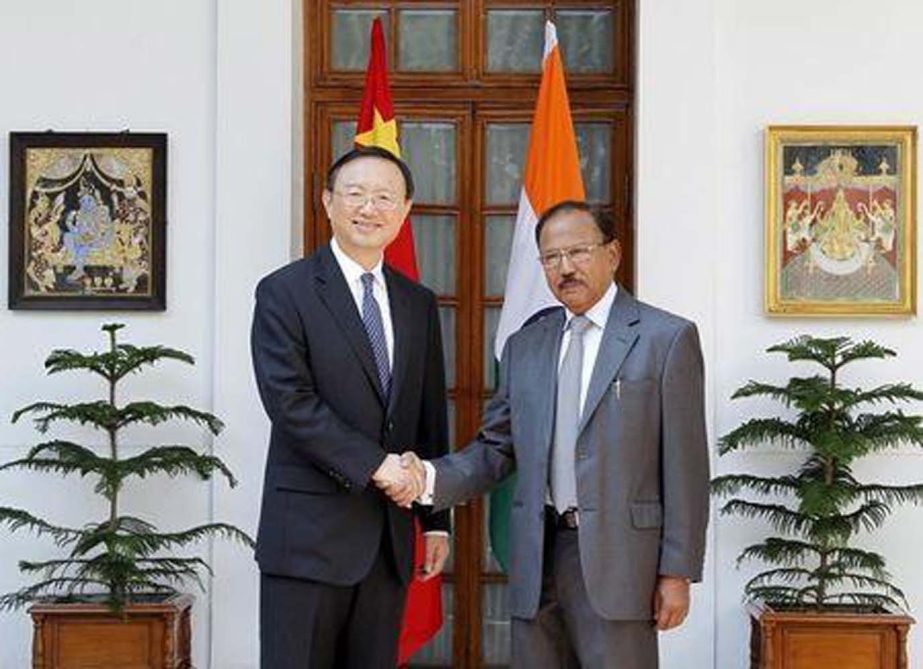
[407,206]
[327,199]
[615,249]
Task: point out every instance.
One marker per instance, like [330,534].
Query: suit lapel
[335,294]
[618,338]
[403,322]
[546,376]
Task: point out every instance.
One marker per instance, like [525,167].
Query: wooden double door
[464,77]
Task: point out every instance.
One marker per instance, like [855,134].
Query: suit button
[581,455]
[390,425]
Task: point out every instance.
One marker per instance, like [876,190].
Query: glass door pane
[505,160]
[429,148]
[427,40]
[515,39]
[434,244]
[350,44]
[586,37]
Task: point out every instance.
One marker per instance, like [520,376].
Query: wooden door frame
[594,96]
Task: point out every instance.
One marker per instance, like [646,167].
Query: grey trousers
[567,632]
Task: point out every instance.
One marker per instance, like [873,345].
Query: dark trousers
[567,632]
[311,625]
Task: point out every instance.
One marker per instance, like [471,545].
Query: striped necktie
[375,329]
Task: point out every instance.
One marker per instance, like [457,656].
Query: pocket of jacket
[634,386]
[646,515]
[303,479]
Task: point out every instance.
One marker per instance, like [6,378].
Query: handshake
[402,478]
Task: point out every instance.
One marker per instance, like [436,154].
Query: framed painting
[88,221]
[841,220]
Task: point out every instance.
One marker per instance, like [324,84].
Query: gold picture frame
[840,220]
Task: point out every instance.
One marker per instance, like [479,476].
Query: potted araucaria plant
[823,600]
[113,598]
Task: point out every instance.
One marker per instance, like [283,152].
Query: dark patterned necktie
[375,329]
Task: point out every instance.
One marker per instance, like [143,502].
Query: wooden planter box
[88,636]
[806,640]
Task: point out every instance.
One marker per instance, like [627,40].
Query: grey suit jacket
[642,459]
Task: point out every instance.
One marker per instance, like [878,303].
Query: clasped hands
[402,478]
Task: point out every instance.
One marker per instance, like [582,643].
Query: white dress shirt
[353,272]
[598,315]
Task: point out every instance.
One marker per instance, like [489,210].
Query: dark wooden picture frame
[88,221]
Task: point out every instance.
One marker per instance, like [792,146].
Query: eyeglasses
[383,201]
[578,255]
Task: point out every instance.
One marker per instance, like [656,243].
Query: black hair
[603,221]
[370,152]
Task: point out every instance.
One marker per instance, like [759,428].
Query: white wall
[712,75]
[222,79]
[255,188]
[676,206]
[217,77]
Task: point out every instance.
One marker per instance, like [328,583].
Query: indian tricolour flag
[552,175]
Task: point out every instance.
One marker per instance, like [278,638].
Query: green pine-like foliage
[819,509]
[119,556]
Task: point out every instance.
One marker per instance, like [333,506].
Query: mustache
[569,281]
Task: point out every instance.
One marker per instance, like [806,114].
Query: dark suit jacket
[322,518]
[641,457]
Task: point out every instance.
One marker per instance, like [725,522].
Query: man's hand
[403,484]
[671,601]
[414,465]
[436,553]
[412,461]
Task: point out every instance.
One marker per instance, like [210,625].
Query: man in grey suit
[600,411]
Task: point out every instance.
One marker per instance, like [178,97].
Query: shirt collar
[352,270]
[598,314]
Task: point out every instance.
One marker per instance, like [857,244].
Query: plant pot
[150,635]
[781,639]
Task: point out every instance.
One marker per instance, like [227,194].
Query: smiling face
[580,283]
[367,207]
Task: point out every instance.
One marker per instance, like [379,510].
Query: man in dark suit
[600,410]
[348,361]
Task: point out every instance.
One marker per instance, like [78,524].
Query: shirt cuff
[436,533]
[426,497]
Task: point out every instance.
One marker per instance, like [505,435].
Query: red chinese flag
[377,127]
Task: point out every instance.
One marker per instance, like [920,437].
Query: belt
[567,520]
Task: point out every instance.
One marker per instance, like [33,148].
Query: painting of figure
[840,221]
[87,221]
